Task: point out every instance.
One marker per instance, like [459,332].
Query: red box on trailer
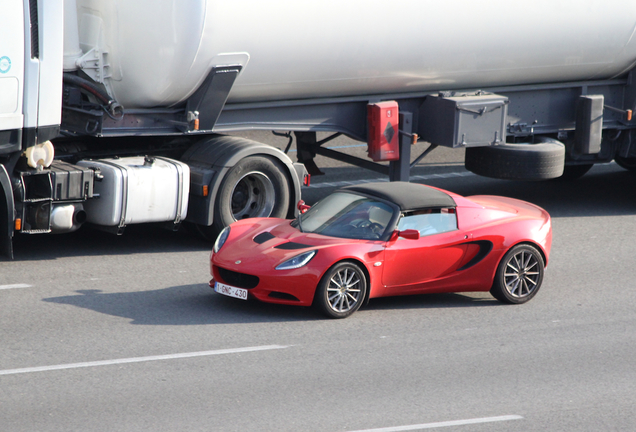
[383,138]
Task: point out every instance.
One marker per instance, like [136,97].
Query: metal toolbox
[464,120]
[138,190]
[71,182]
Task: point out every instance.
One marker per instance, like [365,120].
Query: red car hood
[261,244]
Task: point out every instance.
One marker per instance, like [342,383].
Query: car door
[410,263]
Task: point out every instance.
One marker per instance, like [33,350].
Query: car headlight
[220,240]
[297,261]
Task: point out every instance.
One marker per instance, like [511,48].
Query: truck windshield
[347,215]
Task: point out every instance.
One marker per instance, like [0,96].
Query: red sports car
[385,239]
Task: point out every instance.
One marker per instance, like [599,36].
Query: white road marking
[415,177]
[444,424]
[139,359]
[4,287]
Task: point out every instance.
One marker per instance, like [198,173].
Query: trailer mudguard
[220,153]
[7,215]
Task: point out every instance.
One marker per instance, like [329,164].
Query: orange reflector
[196,124]
[205,190]
[307,180]
[18,224]
[629,115]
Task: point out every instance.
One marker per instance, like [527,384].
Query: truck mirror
[302,206]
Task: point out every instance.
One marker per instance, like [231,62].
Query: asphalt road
[104,333]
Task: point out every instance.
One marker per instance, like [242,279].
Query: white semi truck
[112,112]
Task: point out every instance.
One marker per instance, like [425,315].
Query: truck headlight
[297,261]
[220,240]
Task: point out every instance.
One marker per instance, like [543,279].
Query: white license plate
[230,291]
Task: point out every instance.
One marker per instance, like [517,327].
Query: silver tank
[159,51]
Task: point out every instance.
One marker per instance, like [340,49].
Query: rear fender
[537,246]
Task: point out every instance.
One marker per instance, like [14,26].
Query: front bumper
[292,287]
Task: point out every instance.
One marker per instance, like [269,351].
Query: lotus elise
[385,239]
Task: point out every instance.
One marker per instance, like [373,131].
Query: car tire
[255,187]
[341,290]
[519,275]
[542,161]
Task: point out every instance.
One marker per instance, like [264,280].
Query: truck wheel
[628,163]
[573,172]
[255,187]
[542,161]
[6,215]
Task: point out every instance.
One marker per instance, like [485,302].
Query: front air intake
[263,237]
[239,280]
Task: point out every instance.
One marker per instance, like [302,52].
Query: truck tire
[238,170]
[573,172]
[628,163]
[7,206]
[542,161]
[255,187]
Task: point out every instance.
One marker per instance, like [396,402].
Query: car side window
[430,221]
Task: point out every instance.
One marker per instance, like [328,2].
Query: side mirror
[411,234]
[302,207]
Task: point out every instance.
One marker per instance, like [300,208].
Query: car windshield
[347,215]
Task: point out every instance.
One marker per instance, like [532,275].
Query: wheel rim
[253,196]
[522,274]
[344,289]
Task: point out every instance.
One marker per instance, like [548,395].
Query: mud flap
[305,147]
[7,215]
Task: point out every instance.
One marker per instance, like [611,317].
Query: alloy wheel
[343,291]
[522,274]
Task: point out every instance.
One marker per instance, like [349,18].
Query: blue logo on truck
[5,64]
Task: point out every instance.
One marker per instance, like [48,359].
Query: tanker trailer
[308,67]
[130,94]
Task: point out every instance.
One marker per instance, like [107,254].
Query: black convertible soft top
[408,196]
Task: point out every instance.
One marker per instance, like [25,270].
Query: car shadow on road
[199,305]
[181,305]
[434,301]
